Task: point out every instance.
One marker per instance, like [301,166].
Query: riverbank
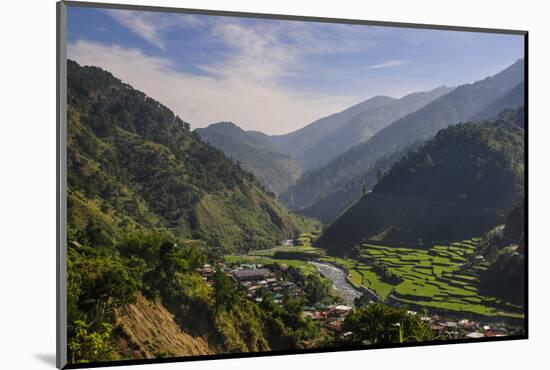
[340,281]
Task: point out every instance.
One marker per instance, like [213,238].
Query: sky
[276,76]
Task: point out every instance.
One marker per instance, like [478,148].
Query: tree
[362,301]
[381,324]
[95,236]
[225,291]
[96,286]
[316,289]
[88,345]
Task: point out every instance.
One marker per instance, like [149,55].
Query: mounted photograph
[237,184]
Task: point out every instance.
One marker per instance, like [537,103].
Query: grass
[302,264]
[430,277]
[266,256]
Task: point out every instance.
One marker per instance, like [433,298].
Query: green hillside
[456,186]
[459,105]
[133,165]
[347,191]
[504,251]
[275,171]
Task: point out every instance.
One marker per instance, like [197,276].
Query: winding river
[339,280]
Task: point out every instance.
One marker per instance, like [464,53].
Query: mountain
[255,152]
[297,143]
[266,156]
[343,195]
[458,185]
[504,252]
[133,165]
[514,99]
[457,106]
[366,124]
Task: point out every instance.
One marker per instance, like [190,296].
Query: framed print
[236,184]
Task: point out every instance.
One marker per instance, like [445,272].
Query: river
[339,280]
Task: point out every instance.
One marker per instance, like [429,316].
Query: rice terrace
[443,278]
[255,185]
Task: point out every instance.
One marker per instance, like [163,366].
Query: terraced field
[303,245]
[440,277]
[296,256]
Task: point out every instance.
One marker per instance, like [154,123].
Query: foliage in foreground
[104,279]
[381,324]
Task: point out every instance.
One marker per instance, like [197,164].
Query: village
[258,281]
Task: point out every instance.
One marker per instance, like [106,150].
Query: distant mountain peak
[490,96]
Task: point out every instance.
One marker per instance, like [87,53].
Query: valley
[442,278]
[237,241]
[438,283]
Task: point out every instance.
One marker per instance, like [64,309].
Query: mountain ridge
[456,106]
[274,170]
[133,165]
[450,177]
[296,143]
[366,124]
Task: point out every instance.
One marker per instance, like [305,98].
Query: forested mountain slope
[275,171]
[134,165]
[366,124]
[457,106]
[514,99]
[345,193]
[457,185]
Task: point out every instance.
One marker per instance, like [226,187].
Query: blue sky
[271,75]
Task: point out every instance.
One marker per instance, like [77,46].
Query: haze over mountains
[133,165]
[278,161]
[443,191]
[322,168]
[298,143]
[459,105]
[256,153]
[514,99]
[364,125]
[274,161]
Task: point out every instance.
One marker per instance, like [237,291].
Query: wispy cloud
[255,73]
[388,64]
[269,52]
[201,100]
[152,26]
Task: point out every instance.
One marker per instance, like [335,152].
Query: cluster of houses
[330,316]
[256,280]
[445,328]
[253,278]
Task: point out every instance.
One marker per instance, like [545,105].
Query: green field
[440,277]
[303,249]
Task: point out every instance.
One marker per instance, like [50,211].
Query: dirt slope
[148,330]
